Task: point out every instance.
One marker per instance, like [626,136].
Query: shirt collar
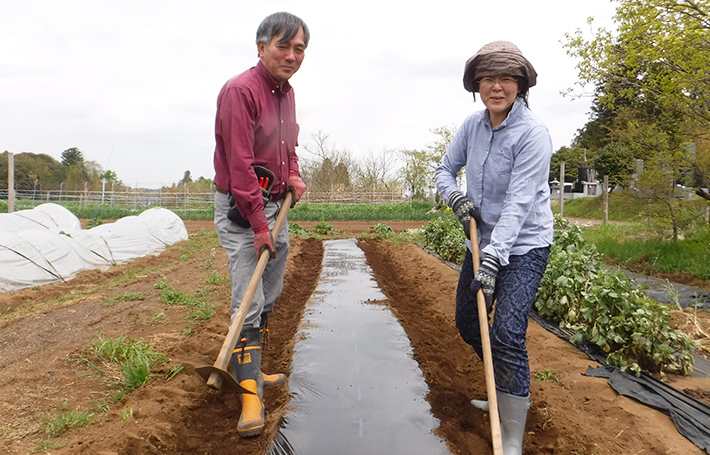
[271,80]
[513,115]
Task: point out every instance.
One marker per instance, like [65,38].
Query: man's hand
[464,210]
[262,240]
[485,279]
[296,186]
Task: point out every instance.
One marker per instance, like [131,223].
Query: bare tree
[331,169]
[376,172]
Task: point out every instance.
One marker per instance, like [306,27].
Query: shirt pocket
[500,166]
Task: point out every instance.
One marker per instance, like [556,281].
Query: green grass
[179,298]
[303,211]
[416,210]
[628,244]
[622,207]
[128,364]
[62,420]
[547,376]
[201,307]
[216,278]
[127,297]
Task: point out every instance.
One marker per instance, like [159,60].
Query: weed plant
[201,308]
[62,420]
[547,376]
[128,364]
[216,278]
[179,298]
[127,297]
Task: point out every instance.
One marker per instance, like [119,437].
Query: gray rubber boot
[513,412]
[270,380]
[246,368]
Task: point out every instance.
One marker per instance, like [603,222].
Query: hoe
[217,375]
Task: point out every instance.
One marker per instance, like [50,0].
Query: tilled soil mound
[45,332]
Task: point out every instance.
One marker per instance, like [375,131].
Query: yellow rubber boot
[271,380]
[245,366]
[251,420]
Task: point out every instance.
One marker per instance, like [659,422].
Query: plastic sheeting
[690,416]
[46,244]
[348,350]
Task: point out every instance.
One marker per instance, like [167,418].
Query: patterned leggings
[515,291]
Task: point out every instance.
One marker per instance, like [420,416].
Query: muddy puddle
[355,385]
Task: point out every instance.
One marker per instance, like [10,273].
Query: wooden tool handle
[496,436]
[237,322]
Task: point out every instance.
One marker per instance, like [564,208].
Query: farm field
[46,331]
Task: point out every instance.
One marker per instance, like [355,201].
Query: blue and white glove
[464,210]
[485,279]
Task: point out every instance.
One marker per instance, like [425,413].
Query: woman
[506,151]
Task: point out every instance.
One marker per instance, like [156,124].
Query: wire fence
[182,200]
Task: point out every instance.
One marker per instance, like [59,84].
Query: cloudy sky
[133,84]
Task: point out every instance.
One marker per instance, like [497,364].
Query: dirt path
[45,330]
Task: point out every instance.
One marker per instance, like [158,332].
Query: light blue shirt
[507,169]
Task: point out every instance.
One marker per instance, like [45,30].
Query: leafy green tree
[30,167]
[594,135]
[437,149]
[614,161]
[72,157]
[110,176]
[574,158]
[652,74]
[416,173]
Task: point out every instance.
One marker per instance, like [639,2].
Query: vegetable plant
[604,307]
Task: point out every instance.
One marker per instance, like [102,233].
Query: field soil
[46,331]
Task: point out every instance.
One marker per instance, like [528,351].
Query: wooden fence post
[606,199]
[562,188]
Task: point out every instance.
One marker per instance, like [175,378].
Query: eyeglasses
[488,82]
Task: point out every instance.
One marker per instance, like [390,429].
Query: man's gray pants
[238,242]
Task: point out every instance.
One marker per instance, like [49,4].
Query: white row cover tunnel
[47,244]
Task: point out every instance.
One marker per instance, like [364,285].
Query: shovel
[217,375]
[496,436]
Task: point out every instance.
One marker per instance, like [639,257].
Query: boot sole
[251,432]
[280,379]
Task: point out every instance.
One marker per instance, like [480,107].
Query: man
[255,167]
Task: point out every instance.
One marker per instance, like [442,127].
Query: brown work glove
[296,187]
[262,240]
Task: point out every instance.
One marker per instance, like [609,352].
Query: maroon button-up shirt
[255,125]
